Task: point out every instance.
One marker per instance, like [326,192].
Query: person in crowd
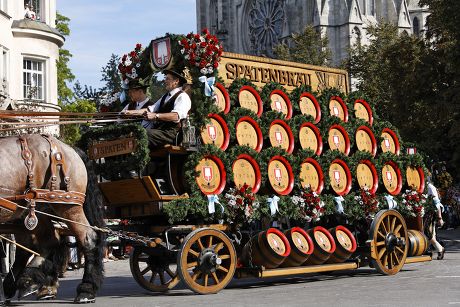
[437,220]
[162,119]
[29,12]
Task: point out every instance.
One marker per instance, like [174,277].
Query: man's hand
[150,115]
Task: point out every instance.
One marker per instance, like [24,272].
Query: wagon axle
[208,261]
[392,241]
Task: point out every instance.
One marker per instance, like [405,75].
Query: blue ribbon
[212,200]
[392,204]
[208,85]
[338,204]
[273,203]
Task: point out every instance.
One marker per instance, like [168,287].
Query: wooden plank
[130,191]
[309,269]
[418,259]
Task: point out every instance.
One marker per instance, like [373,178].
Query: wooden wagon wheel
[207,261]
[388,235]
[151,271]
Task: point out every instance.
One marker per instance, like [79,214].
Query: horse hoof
[46,293]
[85,298]
[28,291]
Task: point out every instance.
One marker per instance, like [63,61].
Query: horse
[41,172]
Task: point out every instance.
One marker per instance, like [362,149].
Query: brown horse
[35,163]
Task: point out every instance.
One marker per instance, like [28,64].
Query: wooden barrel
[366,175]
[363,111]
[338,139]
[216,132]
[246,170]
[268,248]
[248,133]
[340,177]
[311,175]
[338,108]
[310,138]
[365,140]
[301,247]
[345,244]
[280,102]
[418,243]
[391,177]
[324,245]
[309,106]
[280,175]
[222,98]
[249,98]
[390,142]
[280,135]
[415,178]
[212,175]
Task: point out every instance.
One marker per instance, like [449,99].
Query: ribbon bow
[338,204]
[273,203]
[208,85]
[392,204]
[212,200]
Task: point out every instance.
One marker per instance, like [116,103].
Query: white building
[255,26]
[29,49]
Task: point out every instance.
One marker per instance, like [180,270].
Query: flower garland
[130,63]
[412,203]
[367,202]
[312,208]
[202,52]
[240,205]
[110,103]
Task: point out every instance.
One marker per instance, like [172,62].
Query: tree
[70,134]
[64,74]
[309,47]
[110,76]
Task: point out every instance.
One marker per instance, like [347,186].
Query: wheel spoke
[381,234]
[390,260]
[385,261]
[194,253]
[223,269]
[144,271]
[218,247]
[223,257]
[210,242]
[192,264]
[398,228]
[400,250]
[382,251]
[380,243]
[384,226]
[395,257]
[393,224]
[200,244]
[214,276]
[152,278]
[205,280]
[387,223]
[196,275]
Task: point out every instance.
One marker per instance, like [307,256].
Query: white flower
[204,71]
[133,71]
[138,65]
[182,51]
[128,62]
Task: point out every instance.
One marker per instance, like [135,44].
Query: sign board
[291,75]
[112,148]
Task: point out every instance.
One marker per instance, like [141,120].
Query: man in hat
[137,93]
[164,116]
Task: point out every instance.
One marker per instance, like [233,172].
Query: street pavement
[434,283]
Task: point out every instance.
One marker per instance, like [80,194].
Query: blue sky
[102,27]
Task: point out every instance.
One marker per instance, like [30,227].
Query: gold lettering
[265,76]
[283,77]
[230,70]
[247,72]
[291,78]
[274,75]
[239,70]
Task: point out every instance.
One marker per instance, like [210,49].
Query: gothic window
[3,69]
[33,79]
[356,37]
[266,21]
[416,27]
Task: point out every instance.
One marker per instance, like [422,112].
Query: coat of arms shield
[161,52]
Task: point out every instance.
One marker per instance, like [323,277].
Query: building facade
[29,49]
[255,26]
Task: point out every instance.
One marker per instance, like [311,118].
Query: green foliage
[64,74]
[70,134]
[308,47]
[110,75]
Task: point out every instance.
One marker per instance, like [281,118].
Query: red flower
[197,36]
[193,46]
[205,31]
[203,44]
[138,46]
[215,65]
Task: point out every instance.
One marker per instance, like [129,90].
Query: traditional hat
[137,83]
[182,76]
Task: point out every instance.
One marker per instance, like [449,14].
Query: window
[32,9]
[3,70]
[33,79]
[416,25]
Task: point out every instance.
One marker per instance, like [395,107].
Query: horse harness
[51,195]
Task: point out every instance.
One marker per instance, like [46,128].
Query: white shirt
[139,105]
[182,104]
[432,191]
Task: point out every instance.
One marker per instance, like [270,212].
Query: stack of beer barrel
[273,248]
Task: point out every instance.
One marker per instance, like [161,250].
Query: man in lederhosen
[162,119]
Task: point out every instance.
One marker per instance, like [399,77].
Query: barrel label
[388,143]
[309,176]
[365,176]
[390,179]
[243,173]
[413,178]
[364,141]
[246,134]
[279,136]
[361,112]
[219,99]
[278,104]
[278,176]
[308,139]
[307,107]
[336,109]
[213,133]
[210,176]
[338,178]
[337,140]
[248,101]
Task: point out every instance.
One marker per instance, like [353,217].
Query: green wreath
[294,96]
[234,90]
[325,161]
[232,118]
[386,157]
[295,123]
[328,122]
[113,167]
[266,121]
[264,157]
[266,91]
